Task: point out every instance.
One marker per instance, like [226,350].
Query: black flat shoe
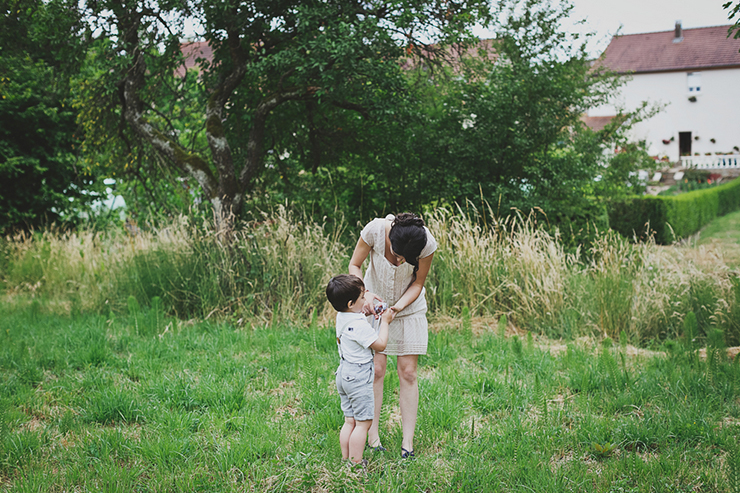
[379,448]
[407,454]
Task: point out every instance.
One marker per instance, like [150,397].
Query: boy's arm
[382,341]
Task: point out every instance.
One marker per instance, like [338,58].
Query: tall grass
[512,267]
[275,270]
[269,270]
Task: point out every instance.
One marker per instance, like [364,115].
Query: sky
[604,17]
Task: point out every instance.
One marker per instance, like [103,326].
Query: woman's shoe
[377,448]
[407,454]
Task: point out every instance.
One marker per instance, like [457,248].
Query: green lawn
[148,403]
[724,232]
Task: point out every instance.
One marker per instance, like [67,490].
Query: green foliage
[733,469]
[728,197]
[39,179]
[731,318]
[603,451]
[733,12]
[690,329]
[113,406]
[671,218]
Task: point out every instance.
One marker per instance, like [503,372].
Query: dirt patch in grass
[729,422]
[394,417]
[732,352]
[483,325]
[557,348]
[561,459]
[291,409]
[35,424]
[478,325]
[280,389]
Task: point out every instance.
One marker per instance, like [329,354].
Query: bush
[670,218]
[636,216]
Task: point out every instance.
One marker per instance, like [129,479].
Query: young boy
[356,340]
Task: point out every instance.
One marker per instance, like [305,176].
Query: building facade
[693,76]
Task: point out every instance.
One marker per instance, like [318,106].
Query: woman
[401,249]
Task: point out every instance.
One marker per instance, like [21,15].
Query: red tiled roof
[701,48]
[192,52]
[596,123]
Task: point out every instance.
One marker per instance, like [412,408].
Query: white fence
[730,161]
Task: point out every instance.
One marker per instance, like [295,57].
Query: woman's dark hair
[408,238]
[342,289]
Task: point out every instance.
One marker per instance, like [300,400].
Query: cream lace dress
[407,334]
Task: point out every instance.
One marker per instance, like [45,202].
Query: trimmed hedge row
[675,217]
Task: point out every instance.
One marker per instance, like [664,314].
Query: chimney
[678,33]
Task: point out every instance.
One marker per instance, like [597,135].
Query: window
[694,81]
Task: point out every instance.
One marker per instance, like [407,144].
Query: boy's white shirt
[356,335]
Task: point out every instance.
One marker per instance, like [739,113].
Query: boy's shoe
[407,454]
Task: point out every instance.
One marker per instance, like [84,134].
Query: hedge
[671,218]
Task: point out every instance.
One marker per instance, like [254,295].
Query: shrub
[670,218]
[640,216]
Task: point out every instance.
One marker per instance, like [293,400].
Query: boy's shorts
[355,387]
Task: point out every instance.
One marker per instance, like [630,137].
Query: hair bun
[408,219]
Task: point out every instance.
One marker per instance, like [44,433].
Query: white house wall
[714,115]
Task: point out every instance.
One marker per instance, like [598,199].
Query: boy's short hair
[342,289]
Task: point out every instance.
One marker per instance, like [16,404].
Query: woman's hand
[369,307]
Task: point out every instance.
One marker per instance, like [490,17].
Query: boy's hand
[389,315]
[369,307]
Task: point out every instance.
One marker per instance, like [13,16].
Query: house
[694,74]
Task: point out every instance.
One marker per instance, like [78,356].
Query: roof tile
[701,48]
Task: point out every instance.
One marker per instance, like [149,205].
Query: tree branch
[133,110]
[257,134]
[346,105]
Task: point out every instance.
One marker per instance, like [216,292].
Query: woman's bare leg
[373,434]
[409,397]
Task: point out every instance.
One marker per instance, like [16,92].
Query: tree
[39,49]
[274,63]
[733,12]
[505,125]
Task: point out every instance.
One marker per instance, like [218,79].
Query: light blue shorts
[355,387]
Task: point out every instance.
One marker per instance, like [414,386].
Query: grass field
[724,232]
[144,402]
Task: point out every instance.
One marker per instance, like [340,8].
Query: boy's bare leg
[380,361]
[357,440]
[408,389]
[344,434]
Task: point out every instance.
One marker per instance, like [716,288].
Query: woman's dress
[408,333]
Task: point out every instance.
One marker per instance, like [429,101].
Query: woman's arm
[414,290]
[362,250]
